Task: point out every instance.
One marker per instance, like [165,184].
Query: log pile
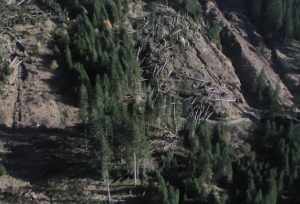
[16,2]
[13,52]
[13,12]
[161,37]
[164,141]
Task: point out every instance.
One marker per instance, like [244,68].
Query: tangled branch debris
[161,37]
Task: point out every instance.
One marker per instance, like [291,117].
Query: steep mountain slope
[248,60]
[181,57]
[187,63]
[287,57]
[204,68]
[32,94]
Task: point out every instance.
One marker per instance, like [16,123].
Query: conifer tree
[271,189]
[162,187]
[258,198]
[274,14]
[105,156]
[248,198]
[68,57]
[101,146]
[256,6]
[138,144]
[193,140]
[280,183]
[84,107]
[288,19]
[149,110]
[168,194]
[251,184]
[173,195]
[204,136]
[114,12]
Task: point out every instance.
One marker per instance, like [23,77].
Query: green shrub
[3,170]
[194,9]
[213,32]
[191,7]
[264,94]
[4,72]
[191,187]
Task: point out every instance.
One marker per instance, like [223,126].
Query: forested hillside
[279,18]
[177,103]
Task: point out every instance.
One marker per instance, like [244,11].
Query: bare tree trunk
[143,171]
[86,139]
[147,121]
[138,169]
[108,187]
[135,172]
[174,115]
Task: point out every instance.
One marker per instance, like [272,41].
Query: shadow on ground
[56,164]
[37,154]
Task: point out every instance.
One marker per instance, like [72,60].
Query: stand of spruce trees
[100,63]
[278,18]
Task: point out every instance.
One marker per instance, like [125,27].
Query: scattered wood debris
[161,36]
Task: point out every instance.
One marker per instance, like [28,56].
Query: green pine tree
[274,14]
[68,57]
[84,108]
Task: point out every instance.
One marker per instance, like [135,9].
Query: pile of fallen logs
[164,32]
[157,36]
[161,35]
[164,141]
[16,2]
[13,52]
[13,12]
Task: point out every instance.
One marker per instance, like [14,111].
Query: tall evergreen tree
[256,7]
[288,19]
[68,57]
[274,14]
[271,189]
[101,148]
[137,144]
[84,108]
